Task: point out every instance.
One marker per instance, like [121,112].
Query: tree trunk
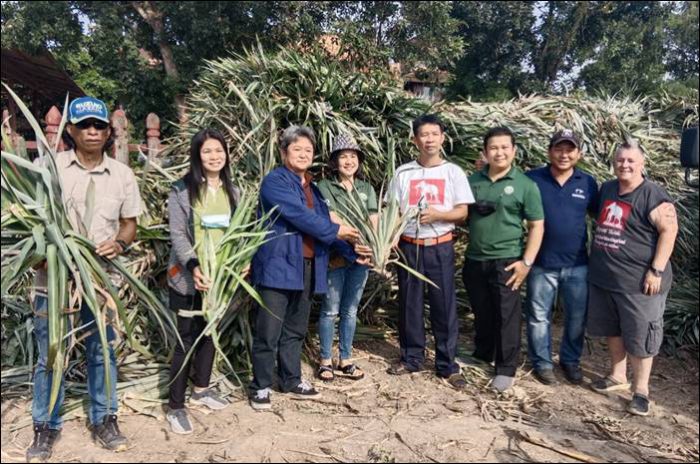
[154,18]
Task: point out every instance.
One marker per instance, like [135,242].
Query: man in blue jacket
[290,267]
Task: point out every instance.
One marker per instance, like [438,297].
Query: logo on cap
[87,108]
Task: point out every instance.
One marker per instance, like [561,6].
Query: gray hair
[292,133]
[629,144]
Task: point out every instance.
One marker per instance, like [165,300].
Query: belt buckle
[429,241]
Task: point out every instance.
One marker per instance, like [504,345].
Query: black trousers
[497,313]
[279,332]
[437,263]
[201,361]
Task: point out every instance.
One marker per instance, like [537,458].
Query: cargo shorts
[637,318]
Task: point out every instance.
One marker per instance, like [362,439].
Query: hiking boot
[179,421]
[108,435]
[209,399]
[261,399]
[639,405]
[546,376]
[304,390]
[457,381]
[573,373]
[44,441]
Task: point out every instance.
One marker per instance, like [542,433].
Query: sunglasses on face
[99,125]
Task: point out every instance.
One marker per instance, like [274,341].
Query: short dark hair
[70,143]
[427,119]
[496,131]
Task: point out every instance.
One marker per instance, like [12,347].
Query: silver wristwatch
[527,262]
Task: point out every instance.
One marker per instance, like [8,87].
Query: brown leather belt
[428,241]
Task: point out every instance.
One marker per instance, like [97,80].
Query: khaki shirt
[115,195]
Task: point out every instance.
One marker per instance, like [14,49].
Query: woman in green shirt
[346,280]
[200,203]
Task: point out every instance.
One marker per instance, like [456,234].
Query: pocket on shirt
[110,207]
[106,222]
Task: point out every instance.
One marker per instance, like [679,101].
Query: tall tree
[559,35]
[498,39]
[628,48]
[682,52]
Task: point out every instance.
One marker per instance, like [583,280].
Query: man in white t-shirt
[440,192]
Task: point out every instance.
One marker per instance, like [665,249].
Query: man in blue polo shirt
[568,194]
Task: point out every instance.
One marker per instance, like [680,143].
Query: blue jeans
[542,287]
[345,287]
[95,370]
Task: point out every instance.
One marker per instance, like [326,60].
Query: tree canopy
[145,54]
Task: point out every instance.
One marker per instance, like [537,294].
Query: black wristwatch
[122,244]
[656,272]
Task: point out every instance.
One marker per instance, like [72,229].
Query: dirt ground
[415,418]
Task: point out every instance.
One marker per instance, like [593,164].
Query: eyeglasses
[99,125]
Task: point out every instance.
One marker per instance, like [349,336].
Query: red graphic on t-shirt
[426,191]
[614,214]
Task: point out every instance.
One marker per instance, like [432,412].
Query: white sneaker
[209,399]
[179,421]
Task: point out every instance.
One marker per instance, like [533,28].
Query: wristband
[123,245]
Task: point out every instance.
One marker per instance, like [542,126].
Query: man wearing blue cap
[102,201]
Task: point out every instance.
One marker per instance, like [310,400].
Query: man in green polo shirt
[498,259]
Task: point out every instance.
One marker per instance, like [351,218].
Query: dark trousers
[202,360]
[497,313]
[437,263]
[279,332]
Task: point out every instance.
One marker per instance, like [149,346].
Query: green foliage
[494,50]
[683,47]
[498,38]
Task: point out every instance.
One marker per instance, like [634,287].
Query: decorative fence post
[121,136]
[53,121]
[153,138]
[9,127]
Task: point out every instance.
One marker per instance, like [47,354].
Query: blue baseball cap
[84,108]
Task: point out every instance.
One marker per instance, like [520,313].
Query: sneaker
[42,446]
[179,421]
[209,399]
[502,383]
[108,435]
[400,369]
[546,376]
[639,405]
[608,384]
[304,390]
[573,373]
[261,399]
[457,381]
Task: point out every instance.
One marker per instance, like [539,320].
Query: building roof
[39,75]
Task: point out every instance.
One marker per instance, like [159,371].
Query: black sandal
[350,370]
[322,369]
